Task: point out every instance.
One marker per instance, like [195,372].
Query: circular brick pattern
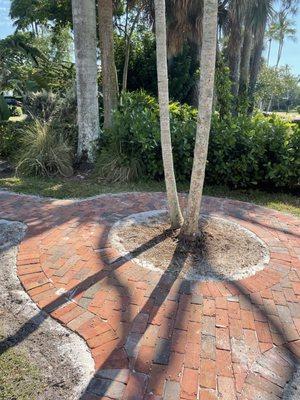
[153,337]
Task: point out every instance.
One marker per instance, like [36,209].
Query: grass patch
[19,378]
[70,188]
[289,116]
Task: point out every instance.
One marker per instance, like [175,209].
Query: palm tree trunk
[126,64]
[128,36]
[256,62]
[245,60]
[279,54]
[269,51]
[109,76]
[235,44]
[163,94]
[84,25]
[207,75]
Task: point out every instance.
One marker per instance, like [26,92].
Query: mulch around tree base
[222,249]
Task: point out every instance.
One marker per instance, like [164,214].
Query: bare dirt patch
[223,251]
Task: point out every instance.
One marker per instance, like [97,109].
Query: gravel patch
[292,389]
[62,357]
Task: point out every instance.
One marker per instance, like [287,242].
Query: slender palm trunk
[163,94]
[256,61]
[126,65]
[84,23]
[279,54]
[245,60]
[207,75]
[235,45]
[109,75]
[128,35]
[269,51]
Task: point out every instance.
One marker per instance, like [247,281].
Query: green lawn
[19,378]
[66,188]
[290,116]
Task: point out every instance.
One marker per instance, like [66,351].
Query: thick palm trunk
[207,75]
[84,23]
[109,74]
[163,94]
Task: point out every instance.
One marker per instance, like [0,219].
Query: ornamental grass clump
[44,151]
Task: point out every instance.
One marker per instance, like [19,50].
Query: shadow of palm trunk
[136,336]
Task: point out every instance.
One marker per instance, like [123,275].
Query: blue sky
[291,51]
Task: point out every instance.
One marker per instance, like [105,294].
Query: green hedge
[243,152]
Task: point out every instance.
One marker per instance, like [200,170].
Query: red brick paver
[153,336]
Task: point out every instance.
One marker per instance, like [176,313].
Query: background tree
[236,16]
[84,26]
[263,13]
[280,86]
[282,28]
[108,67]
[29,62]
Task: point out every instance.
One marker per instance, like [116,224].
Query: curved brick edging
[153,337]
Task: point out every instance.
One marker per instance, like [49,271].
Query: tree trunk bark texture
[163,94]
[207,76]
[259,37]
[235,44]
[245,61]
[84,23]
[109,76]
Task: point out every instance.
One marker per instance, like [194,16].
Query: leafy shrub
[16,111]
[4,110]
[298,109]
[244,151]
[42,105]
[44,151]
[133,143]
[10,138]
[254,151]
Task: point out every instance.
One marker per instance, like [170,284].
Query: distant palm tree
[283,29]
[235,20]
[270,38]
[109,72]
[263,14]
[257,15]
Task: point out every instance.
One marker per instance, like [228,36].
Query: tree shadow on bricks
[279,345]
[138,342]
[129,342]
[66,297]
[103,381]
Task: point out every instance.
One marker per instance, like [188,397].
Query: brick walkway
[153,336]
